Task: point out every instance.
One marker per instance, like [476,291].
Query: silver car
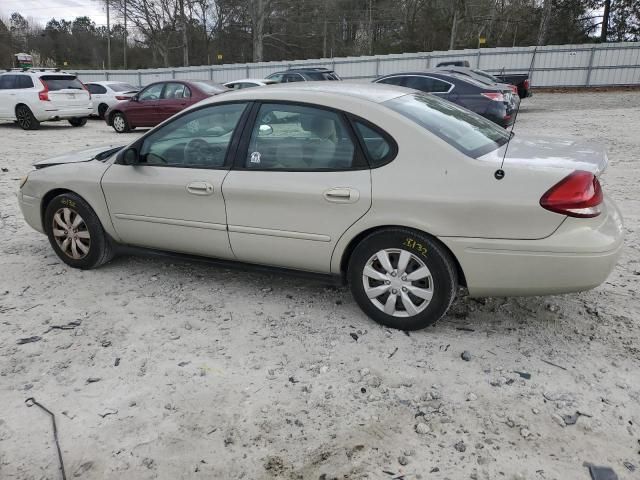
[403,195]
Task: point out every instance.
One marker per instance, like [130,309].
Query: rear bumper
[50,112]
[579,256]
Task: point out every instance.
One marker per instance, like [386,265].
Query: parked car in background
[455,63]
[249,83]
[159,101]
[29,97]
[392,190]
[307,74]
[493,101]
[106,94]
[478,75]
[520,80]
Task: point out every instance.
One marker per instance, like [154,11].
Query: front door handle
[200,188]
[341,195]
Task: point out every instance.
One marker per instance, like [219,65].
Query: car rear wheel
[25,118]
[120,123]
[402,278]
[102,109]
[78,122]
[75,232]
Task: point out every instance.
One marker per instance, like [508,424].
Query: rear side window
[378,146]
[95,88]
[466,131]
[7,82]
[62,82]
[122,87]
[399,81]
[23,81]
[426,84]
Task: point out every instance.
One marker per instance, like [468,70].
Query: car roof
[372,92]
[38,72]
[255,80]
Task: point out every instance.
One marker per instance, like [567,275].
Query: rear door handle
[200,188]
[341,195]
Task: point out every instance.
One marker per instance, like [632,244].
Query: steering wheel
[199,152]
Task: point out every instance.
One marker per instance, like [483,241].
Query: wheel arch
[353,243]
[50,195]
[113,114]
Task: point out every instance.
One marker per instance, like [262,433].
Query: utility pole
[454,28]
[185,42]
[108,38]
[125,36]
[370,29]
[324,32]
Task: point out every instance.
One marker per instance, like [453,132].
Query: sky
[43,10]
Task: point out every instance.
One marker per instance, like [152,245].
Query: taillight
[498,97]
[514,89]
[44,94]
[122,97]
[577,195]
[85,87]
[526,84]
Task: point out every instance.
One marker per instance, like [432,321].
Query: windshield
[210,87]
[122,87]
[469,133]
[61,82]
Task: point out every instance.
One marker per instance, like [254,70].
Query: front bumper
[579,256]
[30,208]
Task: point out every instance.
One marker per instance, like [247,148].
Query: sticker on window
[255,157]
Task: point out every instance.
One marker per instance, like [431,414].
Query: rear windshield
[469,133]
[210,87]
[122,87]
[61,82]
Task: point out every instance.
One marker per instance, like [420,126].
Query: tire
[435,287]
[78,122]
[86,234]
[102,109]
[25,118]
[120,123]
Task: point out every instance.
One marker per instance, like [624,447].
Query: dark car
[493,101]
[519,81]
[159,101]
[309,74]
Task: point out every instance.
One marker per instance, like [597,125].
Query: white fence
[606,64]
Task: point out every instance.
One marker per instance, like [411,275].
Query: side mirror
[134,98]
[129,157]
[265,130]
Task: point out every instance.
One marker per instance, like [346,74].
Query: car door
[298,184]
[7,96]
[175,97]
[143,112]
[165,192]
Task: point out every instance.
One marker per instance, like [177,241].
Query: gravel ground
[176,370]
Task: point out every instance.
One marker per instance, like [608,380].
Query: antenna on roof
[499,174]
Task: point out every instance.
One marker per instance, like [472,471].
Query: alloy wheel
[23,116]
[119,123]
[71,234]
[397,282]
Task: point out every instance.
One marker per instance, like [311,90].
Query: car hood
[85,155]
[547,152]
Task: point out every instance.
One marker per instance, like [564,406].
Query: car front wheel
[75,232]
[402,278]
[120,123]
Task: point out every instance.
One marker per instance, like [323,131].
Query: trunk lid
[548,152]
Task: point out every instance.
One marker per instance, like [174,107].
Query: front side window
[275,77]
[295,137]
[398,81]
[466,131]
[293,77]
[7,82]
[153,92]
[198,139]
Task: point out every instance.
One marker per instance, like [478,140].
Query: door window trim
[359,158]
[231,149]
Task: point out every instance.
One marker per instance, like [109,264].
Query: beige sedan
[403,195]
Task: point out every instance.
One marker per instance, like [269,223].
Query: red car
[159,101]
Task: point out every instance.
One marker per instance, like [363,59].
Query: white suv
[29,97]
